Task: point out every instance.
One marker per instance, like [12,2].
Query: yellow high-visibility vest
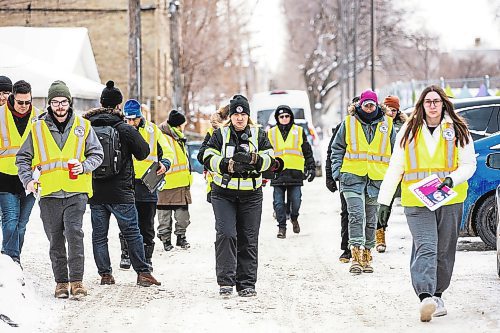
[362,158]
[419,164]
[245,184]
[178,175]
[53,162]
[10,140]
[208,176]
[152,134]
[290,150]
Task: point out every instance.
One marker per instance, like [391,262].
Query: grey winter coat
[350,182]
[93,152]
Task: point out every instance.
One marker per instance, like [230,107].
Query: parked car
[193,149]
[312,138]
[479,215]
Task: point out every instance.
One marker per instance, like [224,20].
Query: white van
[264,104]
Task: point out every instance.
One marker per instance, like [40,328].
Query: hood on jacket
[351,109]
[221,116]
[401,117]
[284,109]
[104,116]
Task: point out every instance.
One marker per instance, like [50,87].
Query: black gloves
[309,174]
[249,158]
[239,167]
[383,215]
[331,184]
[277,166]
[446,182]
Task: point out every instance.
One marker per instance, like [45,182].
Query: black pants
[146,212]
[344,223]
[237,223]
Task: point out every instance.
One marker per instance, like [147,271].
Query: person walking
[290,143]
[217,119]
[113,184]
[237,154]
[145,200]
[65,149]
[16,118]
[391,107]
[434,141]
[175,196]
[360,156]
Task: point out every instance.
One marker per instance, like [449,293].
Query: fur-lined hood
[102,110]
[218,118]
[351,109]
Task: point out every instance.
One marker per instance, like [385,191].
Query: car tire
[486,221]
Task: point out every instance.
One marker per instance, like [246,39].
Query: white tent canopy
[42,55]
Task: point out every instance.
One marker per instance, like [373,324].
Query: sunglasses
[284,116]
[23,102]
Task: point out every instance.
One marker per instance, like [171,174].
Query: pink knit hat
[368,96]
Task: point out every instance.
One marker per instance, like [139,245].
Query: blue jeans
[294,198]
[126,215]
[16,211]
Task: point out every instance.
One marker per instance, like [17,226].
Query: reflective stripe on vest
[419,165]
[289,150]
[10,139]
[150,134]
[178,175]
[53,162]
[362,158]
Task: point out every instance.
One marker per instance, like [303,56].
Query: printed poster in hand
[426,191]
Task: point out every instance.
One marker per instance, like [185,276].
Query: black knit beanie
[239,104]
[111,96]
[5,84]
[175,118]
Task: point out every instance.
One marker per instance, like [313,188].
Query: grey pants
[362,212]
[181,215]
[435,236]
[62,222]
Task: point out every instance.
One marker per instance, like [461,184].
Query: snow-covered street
[301,284]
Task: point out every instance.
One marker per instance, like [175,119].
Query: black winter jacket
[328,166]
[120,188]
[290,177]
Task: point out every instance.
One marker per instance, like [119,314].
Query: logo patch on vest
[79,131]
[150,129]
[383,128]
[449,134]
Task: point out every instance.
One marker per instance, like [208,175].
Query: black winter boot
[182,242]
[167,245]
[125,259]
[148,252]
[281,233]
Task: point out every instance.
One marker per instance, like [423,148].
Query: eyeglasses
[5,93]
[284,116]
[55,103]
[23,102]
[436,102]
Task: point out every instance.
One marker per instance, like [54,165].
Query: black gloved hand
[331,184]
[239,167]
[446,182]
[383,215]
[277,166]
[244,157]
[309,174]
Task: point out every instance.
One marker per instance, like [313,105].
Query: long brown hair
[416,119]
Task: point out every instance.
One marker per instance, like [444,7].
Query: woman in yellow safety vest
[434,141]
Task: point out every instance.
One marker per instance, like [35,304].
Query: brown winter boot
[145,279]
[296,226]
[380,239]
[367,261]
[62,290]
[281,233]
[107,279]
[77,289]
[357,261]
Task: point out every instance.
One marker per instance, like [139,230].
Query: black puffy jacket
[120,188]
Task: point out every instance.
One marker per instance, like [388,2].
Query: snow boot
[167,245]
[145,279]
[148,253]
[125,259]
[345,257]
[247,292]
[281,233]
[182,242]
[357,261]
[62,290]
[225,291]
[367,261]
[296,226]
[77,289]
[107,279]
[380,239]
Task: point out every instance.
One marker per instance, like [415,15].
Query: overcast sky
[457,23]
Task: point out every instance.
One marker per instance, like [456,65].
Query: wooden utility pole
[372,43]
[174,12]
[134,49]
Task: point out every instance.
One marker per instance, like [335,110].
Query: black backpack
[112,161]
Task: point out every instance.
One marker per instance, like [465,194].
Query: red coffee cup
[71,164]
